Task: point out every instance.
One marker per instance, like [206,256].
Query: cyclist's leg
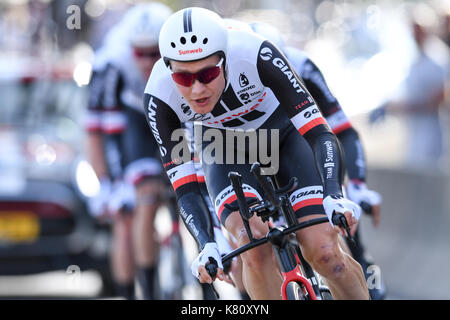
[143,170]
[378,291]
[260,276]
[319,244]
[260,273]
[236,271]
[121,254]
[144,234]
[122,263]
[342,273]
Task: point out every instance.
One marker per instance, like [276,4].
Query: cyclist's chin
[203,107]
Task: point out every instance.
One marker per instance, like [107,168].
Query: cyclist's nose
[197,87]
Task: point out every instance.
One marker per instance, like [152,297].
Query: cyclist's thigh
[235,227]
[220,190]
[297,160]
[318,241]
[140,153]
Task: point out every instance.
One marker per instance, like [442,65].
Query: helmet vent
[183,40]
[205,41]
[193,39]
[173,45]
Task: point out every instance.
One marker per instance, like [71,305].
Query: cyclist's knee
[327,259]
[258,256]
[148,193]
[122,227]
[148,185]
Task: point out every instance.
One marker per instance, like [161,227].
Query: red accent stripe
[233,198]
[201,179]
[342,127]
[93,128]
[357,181]
[112,109]
[311,124]
[309,202]
[113,130]
[141,177]
[296,276]
[41,209]
[183,181]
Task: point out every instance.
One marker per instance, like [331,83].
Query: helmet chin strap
[225,74]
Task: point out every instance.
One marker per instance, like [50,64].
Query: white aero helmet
[269,32]
[192,34]
[143,23]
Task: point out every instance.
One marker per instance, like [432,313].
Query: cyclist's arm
[314,80]
[163,121]
[277,74]
[93,125]
[104,116]
[214,220]
[355,162]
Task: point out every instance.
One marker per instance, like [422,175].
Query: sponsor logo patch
[266,54]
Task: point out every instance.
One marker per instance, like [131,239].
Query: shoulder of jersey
[295,56]
[160,83]
[243,44]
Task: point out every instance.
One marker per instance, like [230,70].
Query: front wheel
[326,294]
[294,291]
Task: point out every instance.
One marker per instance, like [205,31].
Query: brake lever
[340,220]
[212,271]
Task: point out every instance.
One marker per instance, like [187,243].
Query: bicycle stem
[236,182]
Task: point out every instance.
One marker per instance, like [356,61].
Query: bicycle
[174,274]
[299,279]
[172,280]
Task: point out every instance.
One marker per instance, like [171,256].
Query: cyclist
[357,189]
[122,151]
[229,81]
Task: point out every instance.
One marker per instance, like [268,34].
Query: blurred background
[368,53]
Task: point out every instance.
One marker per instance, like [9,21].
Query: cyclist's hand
[338,204]
[98,204]
[359,193]
[378,114]
[122,197]
[198,265]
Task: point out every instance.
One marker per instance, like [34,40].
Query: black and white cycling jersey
[261,84]
[331,109]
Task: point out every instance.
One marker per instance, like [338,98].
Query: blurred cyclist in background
[357,190]
[421,97]
[122,149]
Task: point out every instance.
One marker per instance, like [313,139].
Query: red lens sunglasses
[146,54]
[205,76]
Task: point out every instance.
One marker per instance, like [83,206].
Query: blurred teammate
[122,149]
[355,163]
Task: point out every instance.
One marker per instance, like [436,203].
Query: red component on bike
[175,227]
[295,275]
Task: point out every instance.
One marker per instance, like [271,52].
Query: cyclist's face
[146,58]
[201,97]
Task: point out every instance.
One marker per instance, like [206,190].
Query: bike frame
[289,266]
[288,260]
